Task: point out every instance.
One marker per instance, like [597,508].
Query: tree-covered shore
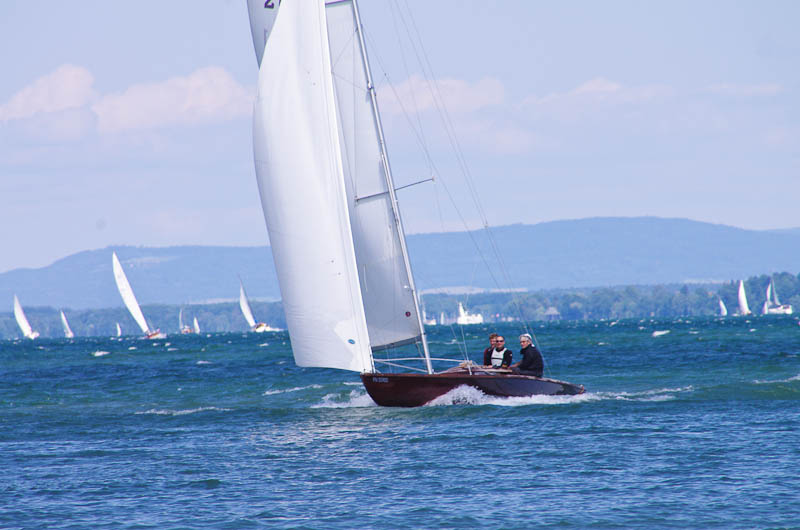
[630,301]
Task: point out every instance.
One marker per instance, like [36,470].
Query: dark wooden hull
[414,390]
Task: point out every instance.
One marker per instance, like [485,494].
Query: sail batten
[302,188]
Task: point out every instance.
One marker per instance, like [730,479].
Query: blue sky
[131,123]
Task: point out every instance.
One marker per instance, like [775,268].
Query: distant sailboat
[723,311]
[244,305]
[184,329]
[196,326]
[772,305]
[64,324]
[743,308]
[119,330]
[126,292]
[465,317]
[24,326]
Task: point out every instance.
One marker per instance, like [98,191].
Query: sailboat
[723,311]
[466,318]
[244,305]
[772,305]
[184,329]
[743,308]
[126,292]
[329,203]
[196,326]
[64,324]
[22,322]
[119,330]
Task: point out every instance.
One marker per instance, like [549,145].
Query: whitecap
[204,362]
[660,332]
[168,412]
[172,349]
[100,353]
[262,345]
[132,348]
[356,398]
[294,389]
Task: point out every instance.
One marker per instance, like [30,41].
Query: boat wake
[356,398]
[467,395]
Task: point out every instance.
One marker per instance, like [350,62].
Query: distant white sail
[772,305]
[743,308]
[24,326]
[129,298]
[119,330]
[723,311]
[196,326]
[465,317]
[67,331]
[180,320]
[244,305]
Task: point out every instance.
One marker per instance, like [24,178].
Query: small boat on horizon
[772,305]
[183,328]
[126,292]
[22,321]
[244,305]
[744,309]
[65,325]
[341,258]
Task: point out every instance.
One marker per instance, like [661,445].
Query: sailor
[532,362]
[501,356]
[487,353]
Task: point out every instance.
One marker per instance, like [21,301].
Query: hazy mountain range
[559,254]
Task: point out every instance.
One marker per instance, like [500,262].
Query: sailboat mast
[390,186]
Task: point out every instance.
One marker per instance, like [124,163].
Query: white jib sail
[127,295]
[723,311]
[64,324]
[301,182]
[385,287]
[743,308]
[196,326]
[22,321]
[119,330]
[244,305]
[775,299]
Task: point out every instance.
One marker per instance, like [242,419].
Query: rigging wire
[450,131]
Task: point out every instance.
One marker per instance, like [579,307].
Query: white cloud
[68,87]
[416,94]
[599,91]
[729,89]
[208,94]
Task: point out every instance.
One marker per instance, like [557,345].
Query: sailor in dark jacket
[531,363]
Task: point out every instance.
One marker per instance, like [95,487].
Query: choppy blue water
[695,428]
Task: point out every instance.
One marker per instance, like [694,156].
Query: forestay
[385,287]
[301,183]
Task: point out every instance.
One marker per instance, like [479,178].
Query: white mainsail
[244,305]
[196,326]
[22,321]
[301,181]
[126,292]
[743,308]
[119,330]
[723,311]
[64,324]
[386,287]
[180,319]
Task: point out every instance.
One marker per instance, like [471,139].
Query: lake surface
[698,427]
